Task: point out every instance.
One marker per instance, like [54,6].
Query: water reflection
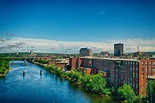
[41,72]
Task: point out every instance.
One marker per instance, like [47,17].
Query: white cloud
[44,45]
[103,12]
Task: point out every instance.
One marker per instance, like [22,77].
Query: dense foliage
[93,83]
[151,85]
[4,66]
[151,89]
[126,92]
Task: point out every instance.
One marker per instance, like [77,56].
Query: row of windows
[128,79]
[145,75]
[123,68]
[131,62]
[150,63]
[127,73]
[132,85]
[150,70]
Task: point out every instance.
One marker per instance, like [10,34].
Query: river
[45,88]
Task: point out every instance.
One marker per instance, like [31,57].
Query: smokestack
[137,48]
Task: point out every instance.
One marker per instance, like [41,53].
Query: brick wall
[72,62]
[61,65]
[50,62]
[78,62]
[85,62]
[87,70]
[146,68]
[105,64]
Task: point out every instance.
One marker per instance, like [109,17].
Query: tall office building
[118,49]
[31,52]
[86,52]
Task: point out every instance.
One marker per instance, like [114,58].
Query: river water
[45,88]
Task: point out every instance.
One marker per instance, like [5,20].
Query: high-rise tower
[118,49]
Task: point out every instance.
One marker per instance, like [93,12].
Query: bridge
[27,58]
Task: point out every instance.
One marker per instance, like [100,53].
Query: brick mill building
[133,72]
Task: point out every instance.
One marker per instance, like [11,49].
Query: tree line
[97,84]
[41,61]
[4,66]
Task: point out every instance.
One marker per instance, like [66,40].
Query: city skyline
[65,26]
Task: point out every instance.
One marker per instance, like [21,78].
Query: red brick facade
[61,65]
[146,68]
[57,63]
[121,71]
[50,62]
[72,62]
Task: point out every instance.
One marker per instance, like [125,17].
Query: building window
[130,69]
[136,69]
[153,63]
[133,74]
[136,75]
[136,63]
[133,85]
[150,63]
[149,70]
[152,71]
[146,75]
[133,68]
[136,86]
[143,70]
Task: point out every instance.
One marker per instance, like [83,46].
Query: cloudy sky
[64,26]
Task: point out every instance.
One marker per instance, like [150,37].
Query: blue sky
[78,20]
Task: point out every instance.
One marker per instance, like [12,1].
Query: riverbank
[3,75]
[40,64]
[96,84]
[91,83]
[4,67]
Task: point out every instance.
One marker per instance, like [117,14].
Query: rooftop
[113,59]
[151,77]
[85,49]
[118,43]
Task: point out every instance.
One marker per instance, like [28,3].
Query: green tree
[150,86]
[126,93]
[151,89]
[139,99]
[4,66]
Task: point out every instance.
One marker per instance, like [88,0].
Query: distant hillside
[149,53]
